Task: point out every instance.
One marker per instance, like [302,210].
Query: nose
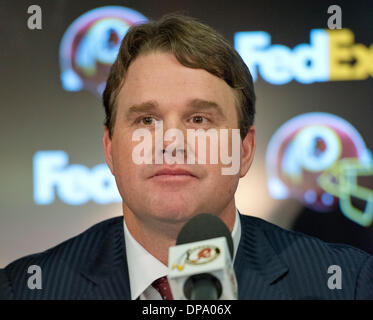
[173,136]
[173,122]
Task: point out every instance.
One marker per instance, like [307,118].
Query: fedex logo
[331,55]
[74,184]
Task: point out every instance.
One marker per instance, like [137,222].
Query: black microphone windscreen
[205,226]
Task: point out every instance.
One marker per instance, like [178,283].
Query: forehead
[159,76]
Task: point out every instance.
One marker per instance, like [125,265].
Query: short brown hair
[195,45]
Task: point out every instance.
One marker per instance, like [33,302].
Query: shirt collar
[143,268]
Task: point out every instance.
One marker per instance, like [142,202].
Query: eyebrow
[142,107]
[199,104]
[196,104]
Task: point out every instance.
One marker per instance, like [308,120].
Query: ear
[247,151]
[106,140]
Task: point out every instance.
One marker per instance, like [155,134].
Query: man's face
[158,88]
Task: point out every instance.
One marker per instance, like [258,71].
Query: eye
[148,120]
[199,119]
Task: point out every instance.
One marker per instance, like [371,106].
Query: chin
[173,214]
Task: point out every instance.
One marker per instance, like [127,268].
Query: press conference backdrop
[313,168]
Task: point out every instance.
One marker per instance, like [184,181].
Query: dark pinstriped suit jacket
[271,263]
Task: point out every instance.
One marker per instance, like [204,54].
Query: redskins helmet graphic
[90,45]
[317,159]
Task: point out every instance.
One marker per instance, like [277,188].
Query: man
[182,75]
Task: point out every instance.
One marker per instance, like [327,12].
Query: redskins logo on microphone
[197,256]
[90,46]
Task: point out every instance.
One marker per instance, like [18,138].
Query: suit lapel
[259,269]
[107,267]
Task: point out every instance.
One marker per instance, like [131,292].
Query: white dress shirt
[144,269]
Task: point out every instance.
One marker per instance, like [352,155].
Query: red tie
[163,287]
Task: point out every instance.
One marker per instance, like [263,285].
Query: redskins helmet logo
[317,159]
[90,45]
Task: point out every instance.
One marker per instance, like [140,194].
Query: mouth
[173,175]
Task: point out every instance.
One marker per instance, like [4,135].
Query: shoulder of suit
[290,241]
[61,250]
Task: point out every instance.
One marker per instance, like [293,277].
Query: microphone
[200,265]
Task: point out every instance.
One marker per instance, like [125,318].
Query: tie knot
[163,287]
